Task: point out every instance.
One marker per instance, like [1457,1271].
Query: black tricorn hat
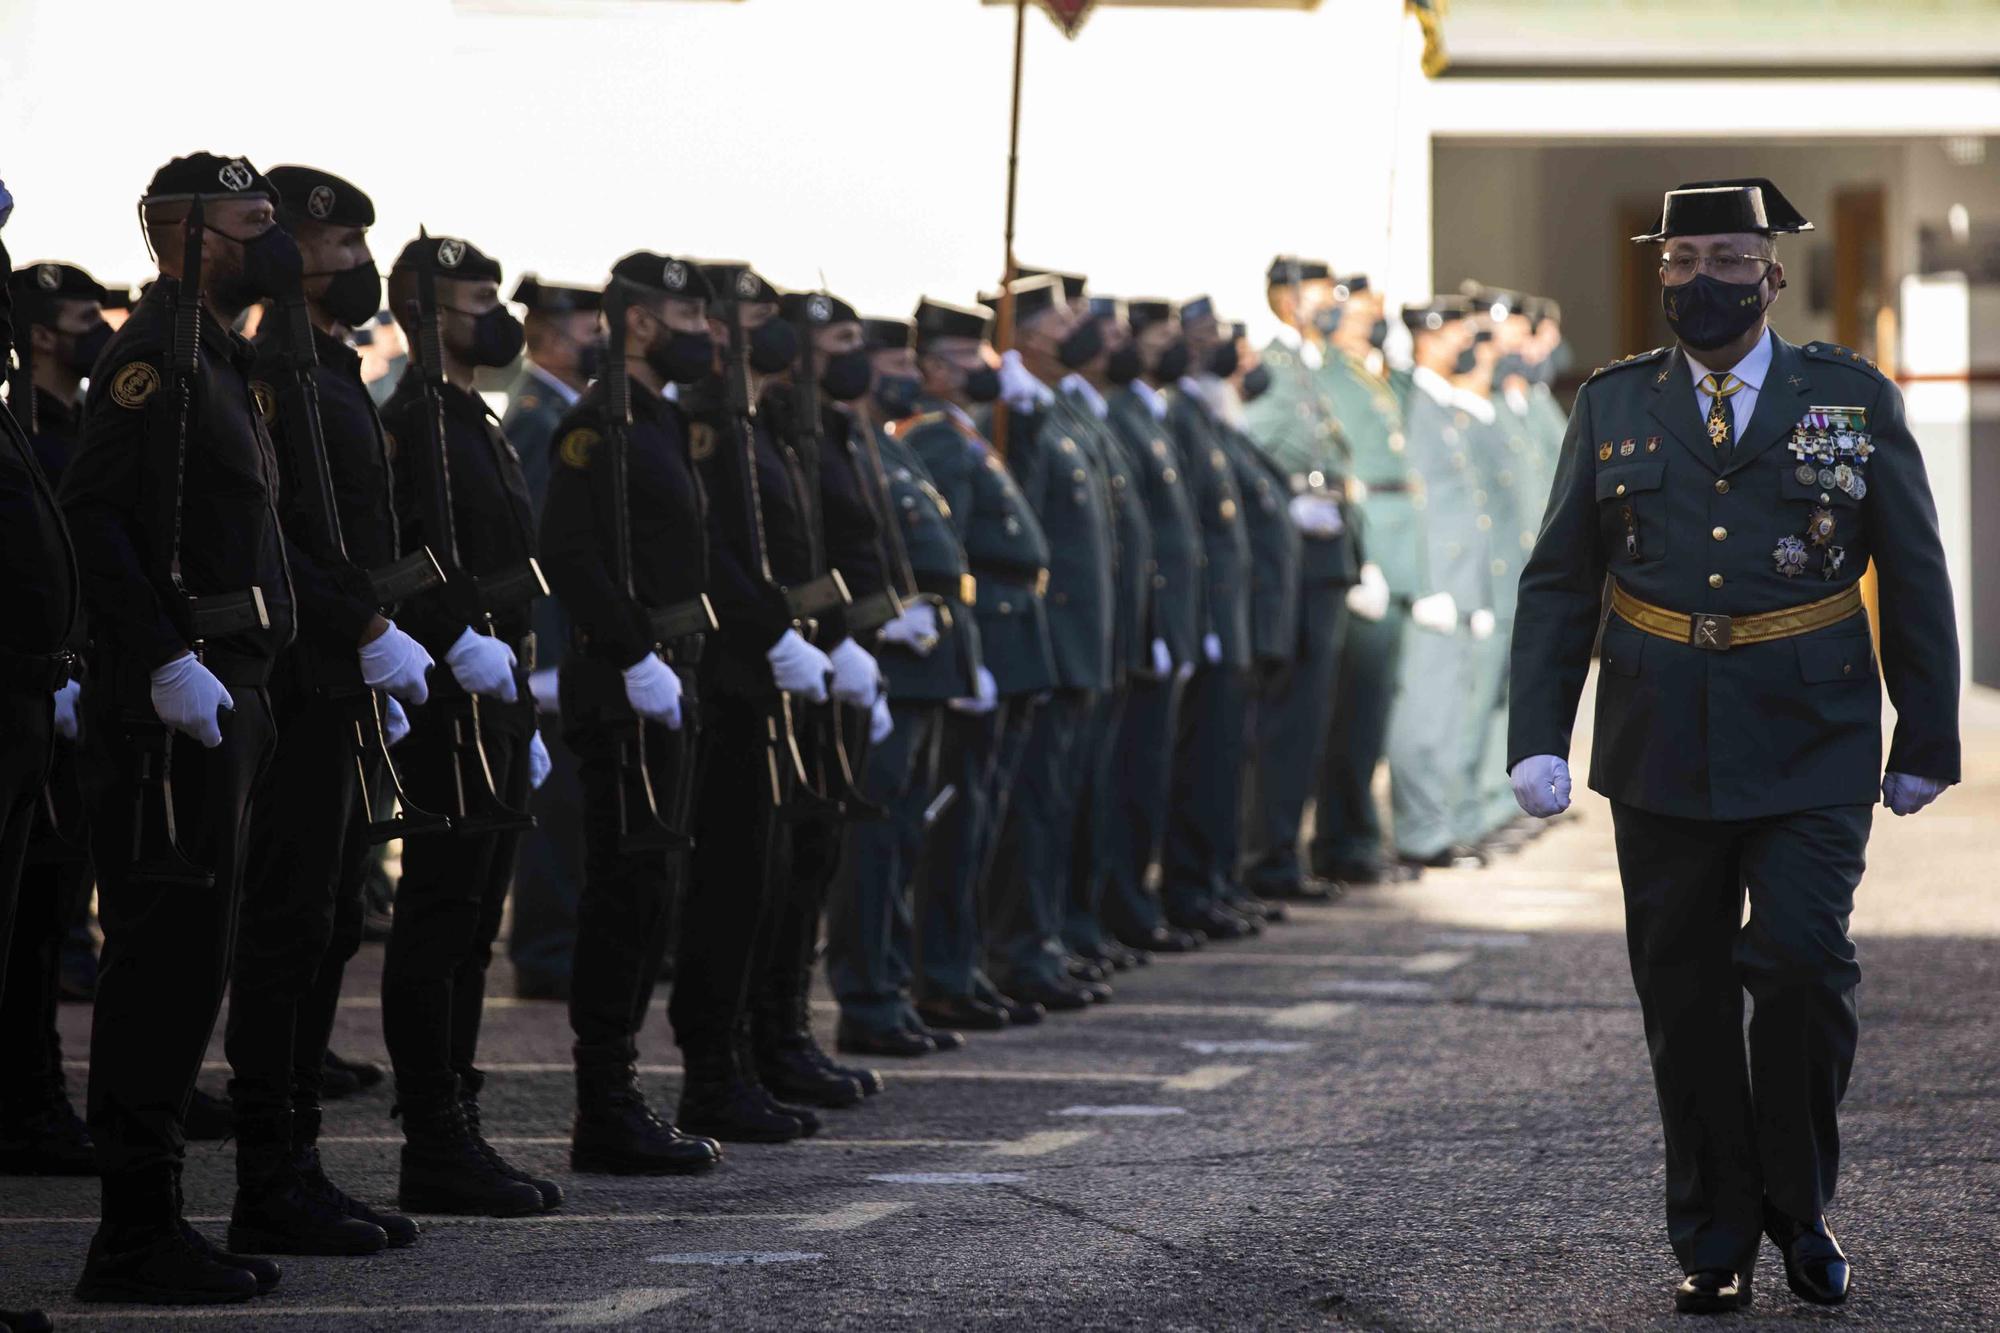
[1197,308]
[879,333]
[555,298]
[1435,313]
[1288,269]
[1032,296]
[1708,208]
[938,319]
[1143,313]
[1073,284]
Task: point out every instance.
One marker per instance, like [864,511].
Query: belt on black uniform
[1718,634]
[38,673]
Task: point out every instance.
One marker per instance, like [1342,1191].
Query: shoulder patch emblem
[701,441]
[266,400]
[134,384]
[576,446]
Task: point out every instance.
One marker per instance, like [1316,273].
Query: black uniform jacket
[1823,478]
[43,610]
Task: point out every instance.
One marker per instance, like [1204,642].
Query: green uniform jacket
[1050,454]
[1499,463]
[1276,549]
[1392,493]
[1178,609]
[1132,562]
[1295,424]
[1219,506]
[937,558]
[1440,443]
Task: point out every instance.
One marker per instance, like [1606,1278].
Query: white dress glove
[1316,516]
[1541,785]
[857,681]
[1369,598]
[916,629]
[395,722]
[538,762]
[654,690]
[395,662]
[1211,647]
[483,665]
[1020,390]
[186,695]
[799,668]
[1437,613]
[66,709]
[1163,658]
[880,724]
[1481,624]
[984,700]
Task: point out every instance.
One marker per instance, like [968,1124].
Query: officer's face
[327,251]
[1046,330]
[1153,339]
[894,361]
[73,319]
[1202,334]
[460,303]
[834,339]
[229,223]
[1727,256]
[1314,296]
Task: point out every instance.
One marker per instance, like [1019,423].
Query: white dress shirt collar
[1078,387]
[1155,401]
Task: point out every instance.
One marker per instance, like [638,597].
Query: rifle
[478,807]
[414,573]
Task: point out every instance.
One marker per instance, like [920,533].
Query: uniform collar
[1751,370]
[1447,394]
[1077,386]
[1155,401]
[563,392]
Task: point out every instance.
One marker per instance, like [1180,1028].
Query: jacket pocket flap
[1622,649]
[1848,657]
[1631,478]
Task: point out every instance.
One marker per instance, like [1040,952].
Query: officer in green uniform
[1293,423]
[1548,357]
[1733,489]
[1427,744]
[1008,557]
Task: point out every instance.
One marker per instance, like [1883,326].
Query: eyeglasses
[1678,269]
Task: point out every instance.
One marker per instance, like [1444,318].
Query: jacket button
[1721,486]
[1720,534]
[1621,488]
[1715,580]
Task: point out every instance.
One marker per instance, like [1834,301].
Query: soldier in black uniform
[185,577]
[300,917]
[454,883]
[60,330]
[632,588]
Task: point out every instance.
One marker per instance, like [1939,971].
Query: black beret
[207,175]
[37,287]
[644,273]
[1350,285]
[449,257]
[732,280]
[888,335]
[1196,308]
[815,310]
[555,298]
[1107,307]
[1072,283]
[1436,313]
[310,195]
[1288,269]
[1707,208]
[1032,297]
[1143,314]
[936,319]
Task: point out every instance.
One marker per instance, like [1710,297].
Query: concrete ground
[1424,1108]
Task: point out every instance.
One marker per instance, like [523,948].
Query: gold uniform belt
[1717,634]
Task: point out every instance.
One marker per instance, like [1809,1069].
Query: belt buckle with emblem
[1709,633]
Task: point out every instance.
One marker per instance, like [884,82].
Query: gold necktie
[1721,422]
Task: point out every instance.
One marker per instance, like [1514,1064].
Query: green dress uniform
[1493,444]
[1526,487]
[1348,836]
[1294,423]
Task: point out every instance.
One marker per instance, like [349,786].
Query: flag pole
[1005,332]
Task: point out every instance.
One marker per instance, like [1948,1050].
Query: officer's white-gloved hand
[1317,516]
[66,709]
[1437,613]
[1541,785]
[799,668]
[984,699]
[483,665]
[545,685]
[538,762]
[1905,795]
[186,695]
[916,629]
[1369,598]
[395,662]
[1021,390]
[1211,647]
[857,681]
[1163,658]
[1480,623]
[395,722]
[654,690]
[880,723]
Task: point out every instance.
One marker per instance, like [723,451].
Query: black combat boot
[468,1096]
[40,1132]
[789,1062]
[444,1170]
[617,1134]
[719,1102]
[143,1253]
[275,1213]
[400,1230]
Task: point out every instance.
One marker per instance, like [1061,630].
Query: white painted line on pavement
[1255,1046]
[1037,1144]
[852,1216]
[1043,1143]
[1386,987]
[946,1075]
[1436,962]
[1312,1014]
[948,1177]
[724,1258]
[613,1309]
[1465,939]
[619,1307]
[1205,1078]
[847,1217]
[1135,1112]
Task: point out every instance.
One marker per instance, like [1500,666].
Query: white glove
[483,665]
[1316,516]
[1021,391]
[880,724]
[857,681]
[1437,613]
[546,687]
[1369,598]
[395,722]
[1541,785]
[985,699]
[538,762]
[186,695]
[395,662]
[1163,658]
[654,690]
[66,709]
[1480,622]
[916,629]
[1211,647]
[799,668]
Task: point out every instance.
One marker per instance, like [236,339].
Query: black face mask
[1222,360]
[1509,367]
[897,395]
[846,376]
[496,337]
[1708,312]
[272,269]
[682,357]
[1465,363]
[1327,320]
[1172,362]
[774,345]
[590,359]
[86,347]
[982,384]
[1255,384]
[1378,336]
[1082,346]
[352,295]
[1124,364]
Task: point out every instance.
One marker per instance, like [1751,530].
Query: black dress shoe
[1307,889]
[942,1039]
[1165,939]
[1086,969]
[1215,923]
[892,1043]
[962,1011]
[1054,996]
[1712,1291]
[1022,1013]
[1815,1266]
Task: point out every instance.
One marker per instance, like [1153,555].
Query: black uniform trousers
[1097,808]
[548,875]
[450,899]
[949,868]
[1197,855]
[1292,722]
[806,856]
[1031,859]
[167,948]
[870,918]
[1142,764]
[54,880]
[27,742]
[1738,1132]
[1347,826]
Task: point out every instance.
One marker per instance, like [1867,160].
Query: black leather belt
[1032,577]
[811,600]
[694,616]
[873,612]
[38,673]
[962,589]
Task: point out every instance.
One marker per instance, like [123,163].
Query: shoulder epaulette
[1637,358]
[917,422]
[1840,356]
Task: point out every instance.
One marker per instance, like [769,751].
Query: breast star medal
[1790,557]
